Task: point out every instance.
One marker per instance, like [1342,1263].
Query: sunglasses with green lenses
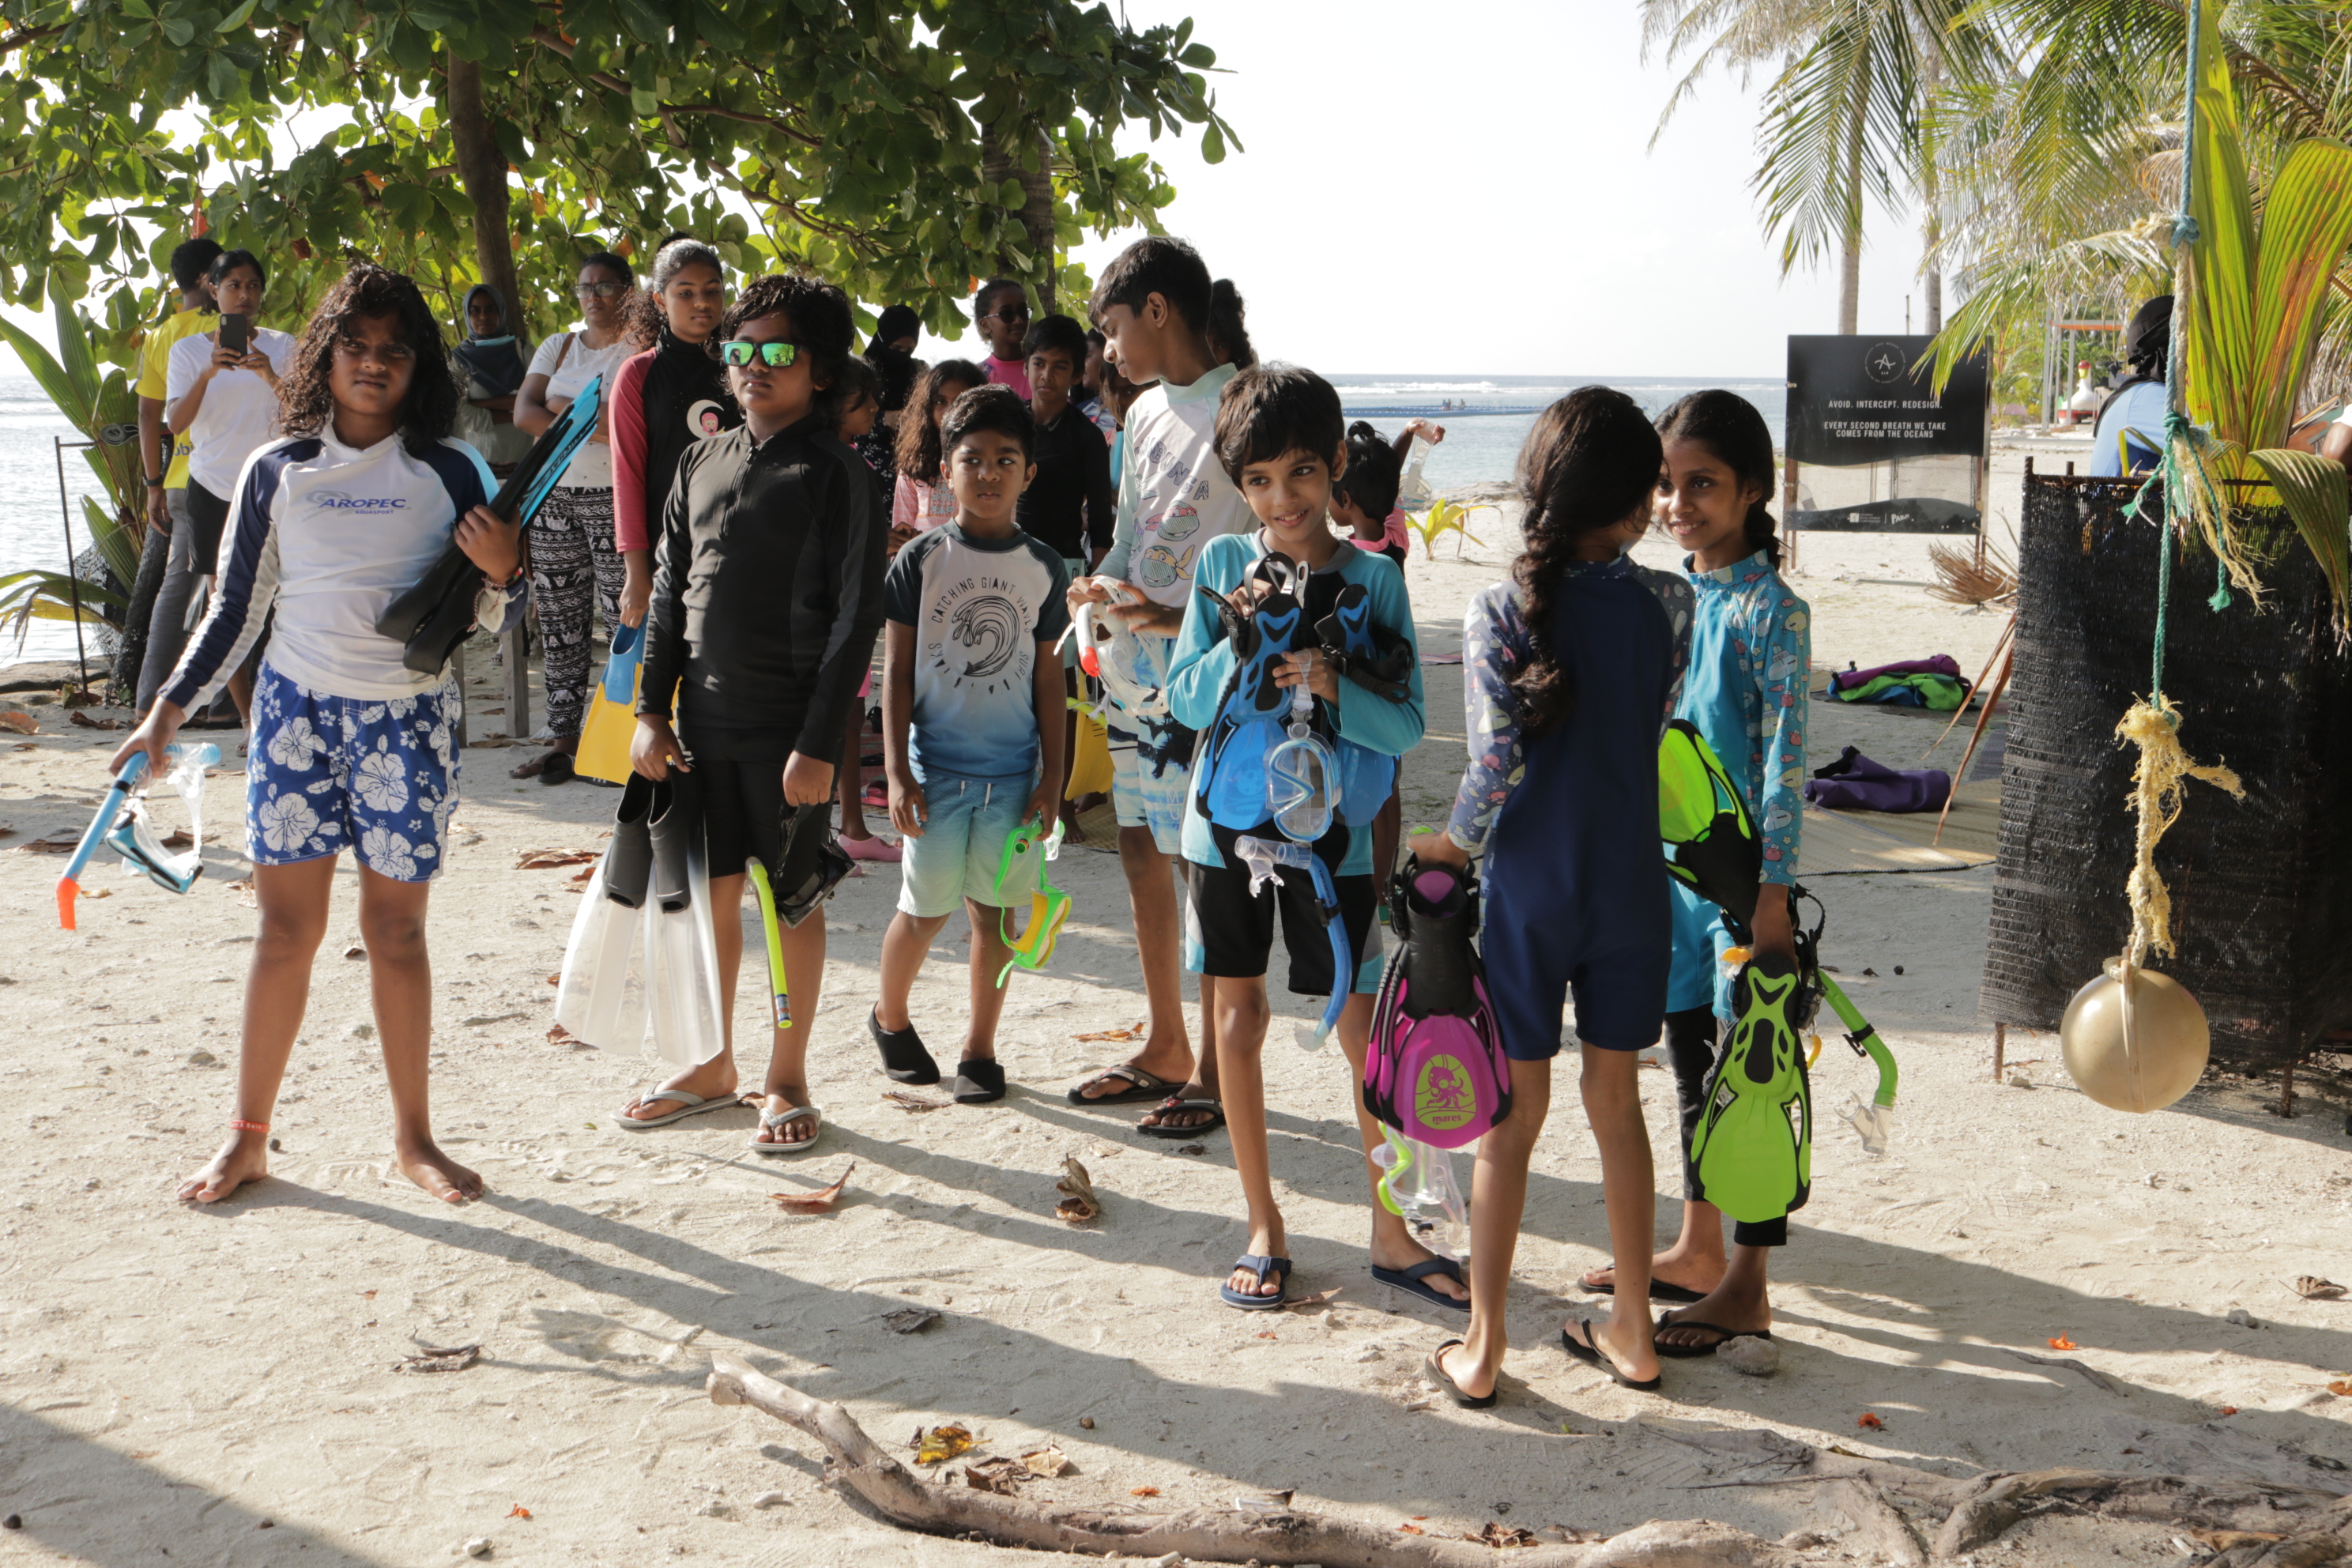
[775,355]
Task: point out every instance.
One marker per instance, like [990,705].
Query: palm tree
[1854,112]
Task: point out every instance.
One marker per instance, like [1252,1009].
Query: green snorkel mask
[1048,906]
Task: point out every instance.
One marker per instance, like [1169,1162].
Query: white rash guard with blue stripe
[329,535]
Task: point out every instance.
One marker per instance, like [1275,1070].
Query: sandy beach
[225,1386]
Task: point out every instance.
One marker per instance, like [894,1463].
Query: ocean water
[1477,448]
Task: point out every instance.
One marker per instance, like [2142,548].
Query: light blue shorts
[966,822]
[376,777]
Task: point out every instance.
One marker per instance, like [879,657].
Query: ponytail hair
[1227,330]
[1589,463]
[1728,425]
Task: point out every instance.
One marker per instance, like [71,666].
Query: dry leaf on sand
[1081,1205]
[1105,1035]
[1047,1462]
[1143,1492]
[915,1102]
[51,846]
[1497,1533]
[243,888]
[909,1320]
[178,839]
[559,1035]
[538,859]
[2064,1343]
[17,722]
[455,1358]
[817,1202]
[996,1475]
[1310,1302]
[83,721]
[2311,1287]
[940,1444]
[2340,1387]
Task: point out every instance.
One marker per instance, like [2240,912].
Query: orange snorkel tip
[66,890]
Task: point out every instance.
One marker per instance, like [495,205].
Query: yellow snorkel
[1049,907]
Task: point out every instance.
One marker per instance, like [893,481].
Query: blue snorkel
[120,822]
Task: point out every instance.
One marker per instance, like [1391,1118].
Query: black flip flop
[1411,1282]
[1726,1336]
[979,1080]
[1198,1129]
[1681,1296]
[904,1058]
[1435,1370]
[555,768]
[1590,1355]
[1141,1085]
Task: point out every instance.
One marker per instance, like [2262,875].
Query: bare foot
[799,1130]
[244,1158]
[1706,1325]
[1170,1069]
[1189,1118]
[437,1173]
[1470,1375]
[1245,1281]
[1396,1256]
[1691,1274]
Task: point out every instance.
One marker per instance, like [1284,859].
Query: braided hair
[1727,425]
[1589,463]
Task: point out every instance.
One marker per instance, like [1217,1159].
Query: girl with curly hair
[350,751]
[921,499]
[1571,669]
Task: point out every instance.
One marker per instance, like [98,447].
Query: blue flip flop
[1410,1282]
[1261,1267]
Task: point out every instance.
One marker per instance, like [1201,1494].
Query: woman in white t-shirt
[223,400]
[573,559]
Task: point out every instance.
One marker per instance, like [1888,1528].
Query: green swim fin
[1710,841]
[1753,1151]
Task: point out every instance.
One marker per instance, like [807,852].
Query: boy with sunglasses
[1001,310]
[766,600]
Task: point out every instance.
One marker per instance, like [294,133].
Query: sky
[1472,192]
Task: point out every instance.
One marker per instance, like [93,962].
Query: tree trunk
[482,171]
[1931,189]
[1850,245]
[998,164]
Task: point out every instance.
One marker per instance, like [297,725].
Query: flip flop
[1408,1281]
[773,1121]
[1724,1336]
[556,768]
[1174,1102]
[1434,1369]
[979,1080]
[904,1058]
[689,1105]
[1589,1354]
[1681,1296]
[1261,1267]
[870,847]
[1142,1085]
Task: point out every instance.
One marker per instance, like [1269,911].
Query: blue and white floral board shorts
[377,777]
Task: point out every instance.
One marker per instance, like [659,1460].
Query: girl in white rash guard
[350,748]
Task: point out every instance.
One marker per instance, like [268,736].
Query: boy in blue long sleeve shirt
[1281,437]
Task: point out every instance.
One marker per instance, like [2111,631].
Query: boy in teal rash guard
[1281,437]
[1750,665]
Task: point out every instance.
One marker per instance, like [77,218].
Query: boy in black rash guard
[1071,506]
[767,597]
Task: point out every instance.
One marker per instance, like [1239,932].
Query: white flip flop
[691,1105]
[770,1122]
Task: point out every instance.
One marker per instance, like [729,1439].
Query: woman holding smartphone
[220,390]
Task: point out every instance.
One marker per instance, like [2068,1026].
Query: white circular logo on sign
[1882,363]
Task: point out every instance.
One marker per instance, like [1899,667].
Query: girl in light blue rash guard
[350,748]
[1751,652]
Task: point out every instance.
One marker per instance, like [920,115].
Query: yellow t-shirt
[153,355]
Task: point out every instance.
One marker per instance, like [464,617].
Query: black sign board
[1853,400]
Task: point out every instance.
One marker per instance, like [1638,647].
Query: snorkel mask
[1049,907]
[123,822]
[1112,654]
[1299,773]
[1262,855]
[1417,1184]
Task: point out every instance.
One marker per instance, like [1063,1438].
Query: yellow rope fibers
[2158,782]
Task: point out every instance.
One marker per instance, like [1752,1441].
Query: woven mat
[1843,843]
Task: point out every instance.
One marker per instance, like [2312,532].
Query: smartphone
[237,333]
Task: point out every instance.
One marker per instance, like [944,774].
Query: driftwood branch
[857,1462]
[2097,1377]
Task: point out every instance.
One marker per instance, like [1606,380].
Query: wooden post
[514,648]
[2000,1048]
[2286,1091]
[1789,506]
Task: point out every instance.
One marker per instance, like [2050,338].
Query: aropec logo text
[342,500]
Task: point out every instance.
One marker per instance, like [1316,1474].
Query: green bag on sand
[1752,1155]
[1710,844]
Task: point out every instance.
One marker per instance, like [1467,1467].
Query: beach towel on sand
[1931,683]
[1854,782]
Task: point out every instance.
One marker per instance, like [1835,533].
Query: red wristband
[250,1126]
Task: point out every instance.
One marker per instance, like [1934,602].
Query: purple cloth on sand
[1854,782]
[1942,664]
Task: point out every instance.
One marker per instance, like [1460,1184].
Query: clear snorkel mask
[1262,855]
[1049,907]
[1417,1183]
[1113,655]
[124,824]
[1300,772]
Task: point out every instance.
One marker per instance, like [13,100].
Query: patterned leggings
[572,558]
